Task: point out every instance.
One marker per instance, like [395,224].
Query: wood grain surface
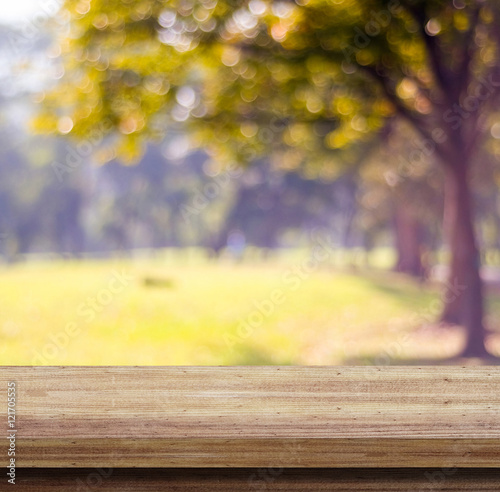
[235,480]
[256,416]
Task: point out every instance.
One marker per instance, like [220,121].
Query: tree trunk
[451,310]
[464,290]
[408,235]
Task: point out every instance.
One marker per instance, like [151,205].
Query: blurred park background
[215,182]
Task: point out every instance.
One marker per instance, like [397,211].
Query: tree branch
[405,112]
[442,76]
[468,51]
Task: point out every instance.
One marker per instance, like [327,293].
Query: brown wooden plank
[263,479]
[257,416]
[192,453]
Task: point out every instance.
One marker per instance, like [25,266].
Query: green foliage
[306,79]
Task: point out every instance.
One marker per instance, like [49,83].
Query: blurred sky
[22,10]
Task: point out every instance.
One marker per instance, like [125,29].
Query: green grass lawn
[183,310]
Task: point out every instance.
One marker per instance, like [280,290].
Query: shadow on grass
[256,356]
[448,361]
[400,285]
[407,290]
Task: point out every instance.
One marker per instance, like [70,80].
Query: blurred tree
[310,79]
[410,197]
[268,203]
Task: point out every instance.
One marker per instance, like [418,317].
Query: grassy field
[184,310]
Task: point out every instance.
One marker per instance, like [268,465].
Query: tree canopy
[258,73]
